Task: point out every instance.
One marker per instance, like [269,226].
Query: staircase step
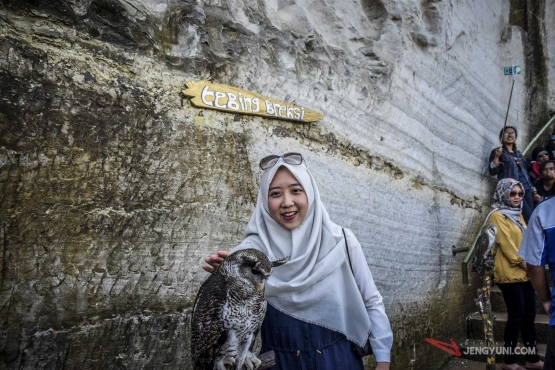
[459,363]
[472,349]
[477,327]
[498,304]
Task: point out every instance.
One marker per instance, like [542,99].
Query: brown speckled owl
[228,312]
[486,249]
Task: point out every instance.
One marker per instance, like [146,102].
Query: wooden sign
[205,94]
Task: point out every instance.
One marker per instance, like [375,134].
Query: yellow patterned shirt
[509,237]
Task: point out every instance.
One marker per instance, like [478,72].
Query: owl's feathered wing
[207,326]
[482,263]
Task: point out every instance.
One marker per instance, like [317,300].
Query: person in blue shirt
[538,250]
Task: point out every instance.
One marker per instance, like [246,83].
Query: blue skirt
[302,346]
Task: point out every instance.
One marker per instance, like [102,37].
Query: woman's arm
[381,336]
[494,163]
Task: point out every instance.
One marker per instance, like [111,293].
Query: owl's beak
[260,286]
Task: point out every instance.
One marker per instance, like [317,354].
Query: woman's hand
[382,365]
[498,152]
[546,306]
[214,261]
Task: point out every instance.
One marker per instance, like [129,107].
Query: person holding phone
[506,161]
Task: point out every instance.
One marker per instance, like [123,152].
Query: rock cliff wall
[550,36]
[114,188]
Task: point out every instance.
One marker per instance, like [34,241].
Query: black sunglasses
[271,160]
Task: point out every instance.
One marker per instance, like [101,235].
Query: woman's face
[509,136]
[287,200]
[515,196]
[542,156]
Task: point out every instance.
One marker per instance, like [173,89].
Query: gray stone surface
[114,188]
[550,40]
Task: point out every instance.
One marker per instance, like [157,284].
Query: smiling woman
[319,304]
[510,274]
[507,162]
[287,200]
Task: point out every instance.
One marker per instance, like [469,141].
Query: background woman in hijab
[510,273]
[507,162]
[318,303]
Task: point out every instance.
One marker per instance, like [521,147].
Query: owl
[228,312]
[486,249]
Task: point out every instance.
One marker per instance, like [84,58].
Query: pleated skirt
[302,346]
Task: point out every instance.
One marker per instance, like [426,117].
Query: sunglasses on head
[289,158]
[541,154]
[513,194]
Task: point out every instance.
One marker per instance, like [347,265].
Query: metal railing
[538,135]
[473,246]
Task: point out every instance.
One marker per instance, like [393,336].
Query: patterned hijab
[315,285]
[502,201]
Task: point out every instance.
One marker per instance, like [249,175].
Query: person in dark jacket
[507,162]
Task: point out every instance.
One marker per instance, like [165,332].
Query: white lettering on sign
[205,93]
[278,110]
[235,102]
[219,95]
[231,99]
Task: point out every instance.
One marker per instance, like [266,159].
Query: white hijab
[315,285]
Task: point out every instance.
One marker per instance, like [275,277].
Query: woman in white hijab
[323,300]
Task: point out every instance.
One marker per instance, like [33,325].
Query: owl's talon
[219,365]
[228,360]
[252,362]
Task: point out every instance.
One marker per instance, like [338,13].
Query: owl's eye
[255,271]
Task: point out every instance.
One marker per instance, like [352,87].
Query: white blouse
[381,336]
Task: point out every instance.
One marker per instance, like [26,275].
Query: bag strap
[347,247]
